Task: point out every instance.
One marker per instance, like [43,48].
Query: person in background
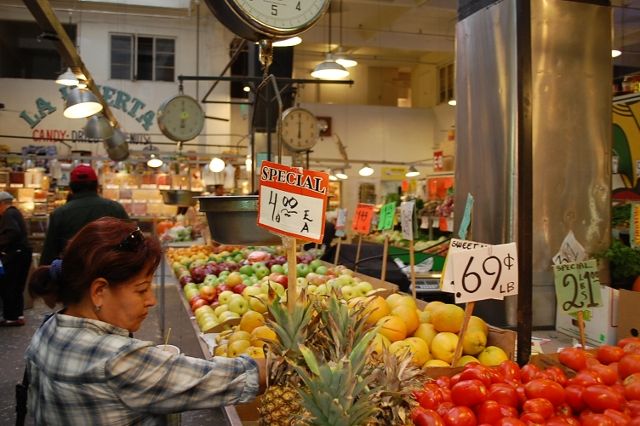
[84,206]
[15,254]
[83,367]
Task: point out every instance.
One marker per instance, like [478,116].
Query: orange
[408,315]
[392,327]
[377,308]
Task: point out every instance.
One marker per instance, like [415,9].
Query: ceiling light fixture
[340,174]
[216,165]
[412,172]
[98,127]
[340,56]
[452,102]
[117,146]
[67,78]
[329,69]
[616,49]
[154,161]
[366,170]
[332,177]
[615,53]
[81,103]
[287,42]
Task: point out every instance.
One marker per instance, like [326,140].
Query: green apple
[238,304]
[302,282]
[364,287]
[322,290]
[225,297]
[302,269]
[250,291]
[247,270]
[220,309]
[277,268]
[315,264]
[261,272]
[259,303]
[349,292]
[321,270]
[227,315]
[344,280]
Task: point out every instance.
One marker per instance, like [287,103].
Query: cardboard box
[601,328]
[628,318]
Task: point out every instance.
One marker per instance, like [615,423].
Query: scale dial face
[267,19]
[300,131]
[181,118]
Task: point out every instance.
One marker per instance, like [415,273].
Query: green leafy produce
[624,260]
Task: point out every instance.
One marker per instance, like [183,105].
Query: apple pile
[600,388]
[431,334]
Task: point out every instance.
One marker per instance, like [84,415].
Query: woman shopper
[84,368]
[15,255]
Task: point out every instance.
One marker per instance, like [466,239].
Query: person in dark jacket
[84,206]
[15,254]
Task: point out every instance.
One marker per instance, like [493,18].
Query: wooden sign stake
[385,254]
[355,265]
[468,311]
[335,259]
[581,328]
[412,268]
[292,287]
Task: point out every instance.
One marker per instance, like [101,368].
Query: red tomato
[607,354]
[633,408]
[543,388]
[425,417]
[454,379]
[510,369]
[632,348]
[556,421]
[619,418]
[557,375]
[510,421]
[635,421]
[443,382]
[572,421]
[600,397]
[430,397]
[444,408]
[468,392]
[573,396]
[629,364]
[529,372]
[460,416]
[497,376]
[564,410]
[477,372]
[607,374]
[532,419]
[488,412]
[632,391]
[539,406]
[623,342]
[522,394]
[596,420]
[586,378]
[503,394]
[574,358]
[446,394]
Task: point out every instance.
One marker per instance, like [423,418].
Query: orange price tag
[363,218]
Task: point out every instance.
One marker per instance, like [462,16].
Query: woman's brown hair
[109,248]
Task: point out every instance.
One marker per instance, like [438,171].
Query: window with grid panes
[136,57]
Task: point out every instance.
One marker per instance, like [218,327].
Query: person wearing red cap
[84,207]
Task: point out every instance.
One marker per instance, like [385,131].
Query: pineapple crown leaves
[288,326]
[343,328]
[335,394]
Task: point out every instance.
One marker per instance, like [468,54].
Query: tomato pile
[605,391]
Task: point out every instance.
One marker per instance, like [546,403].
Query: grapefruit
[392,327]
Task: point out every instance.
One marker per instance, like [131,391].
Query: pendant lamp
[81,103]
[341,56]
[98,127]
[67,78]
[366,170]
[329,69]
[216,165]
[412,172]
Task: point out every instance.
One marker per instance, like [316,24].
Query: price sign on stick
[387,214]
[577,286]
[407,219]
[485,273]
[362,219]
[292,201]
[341,221]
[447,283]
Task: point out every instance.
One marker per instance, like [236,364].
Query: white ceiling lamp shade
[67,78]
[329,69]
[615,53]
[98,127]
[340,174]
[366,170]
[248,163]
[81,103]
[287,42]
[412,172]
[616,49]
[216,165]
[340,56]
[452,102]
[154,161]
[332,177]
[117,146]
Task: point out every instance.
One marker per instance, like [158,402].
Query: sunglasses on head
[132,241]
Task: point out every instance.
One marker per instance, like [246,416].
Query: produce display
[594,388]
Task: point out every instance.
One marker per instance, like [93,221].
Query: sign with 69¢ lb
[477,271]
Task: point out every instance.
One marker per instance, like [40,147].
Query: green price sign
[387,213]
[577,286]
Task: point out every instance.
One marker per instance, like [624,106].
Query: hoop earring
[97,308]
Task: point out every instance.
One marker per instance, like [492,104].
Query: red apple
[280,279]
[208,293]
[198,303]
[239,288]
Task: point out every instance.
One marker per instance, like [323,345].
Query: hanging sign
[577,286]
[363,218]
[407,219]
[387,214]
[341,222]
[293,201]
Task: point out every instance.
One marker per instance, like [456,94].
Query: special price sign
[477,271]
[577,286]
[341,221]
[387,214]
[293,201]
[362,219]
